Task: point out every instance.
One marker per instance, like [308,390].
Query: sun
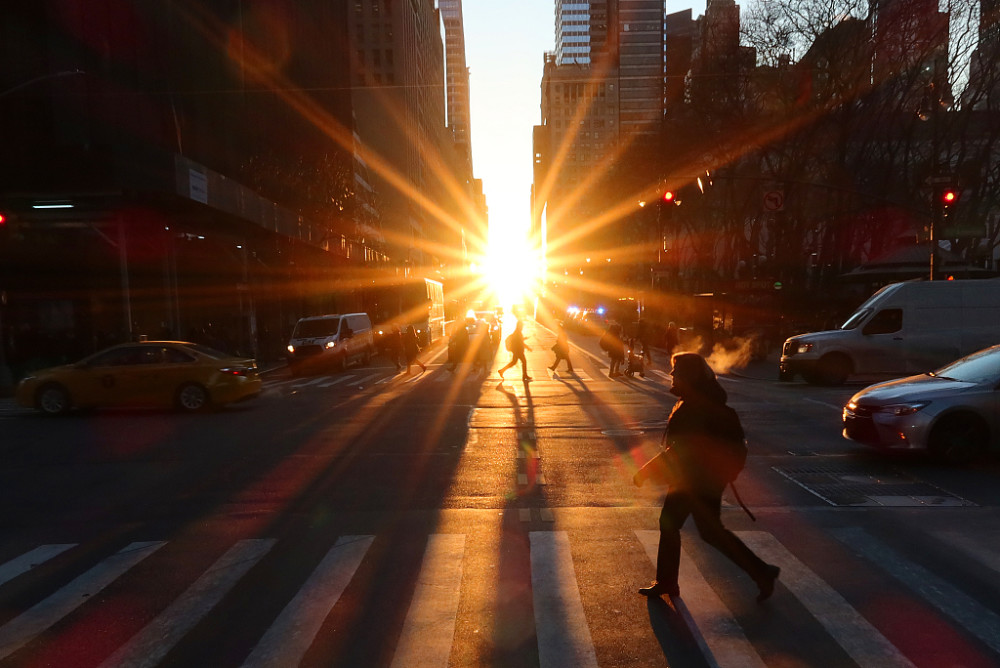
[512,268]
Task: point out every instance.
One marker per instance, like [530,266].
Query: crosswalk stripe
[314,381]
[334,381]
[984,554]
[23,629]
[715,629]
[149,646]
[363,380]
[859,638]
[291,634]
[563,634]
[661,374]
[429,628]
[970,615]
[29,560]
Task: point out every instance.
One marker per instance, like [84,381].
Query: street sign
[774,200]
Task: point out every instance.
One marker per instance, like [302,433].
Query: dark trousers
[705,506]
[513,361]
[559,358]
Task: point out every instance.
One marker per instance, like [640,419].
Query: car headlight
[903,409]
[291,349]
[331,344]
[803,347]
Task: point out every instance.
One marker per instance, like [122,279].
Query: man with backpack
[517,346]
[705,451]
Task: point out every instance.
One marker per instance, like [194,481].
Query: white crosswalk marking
[336,380]
[149,646]
[563,635]
[21,630]
[985,553]
[430,623]
[716,630]
[970,615]
[853,632]
[362,380]
[315,381]
[29,560]
[288,638]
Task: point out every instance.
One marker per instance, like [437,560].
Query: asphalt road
[446,519]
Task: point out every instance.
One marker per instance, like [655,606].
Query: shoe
[766,584]
[552,368]
[423,368]
[501,374]
[657,589]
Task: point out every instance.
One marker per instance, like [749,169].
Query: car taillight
[236,370]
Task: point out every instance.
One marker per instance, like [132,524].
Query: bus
[412,301]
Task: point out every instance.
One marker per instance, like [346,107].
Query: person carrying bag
[704,451]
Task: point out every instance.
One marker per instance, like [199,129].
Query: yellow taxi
[188,376]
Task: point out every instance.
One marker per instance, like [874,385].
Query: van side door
[881,344]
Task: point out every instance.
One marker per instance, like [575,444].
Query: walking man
[517,346]
[561,349]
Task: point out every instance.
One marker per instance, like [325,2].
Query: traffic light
[949,197]
[668,197]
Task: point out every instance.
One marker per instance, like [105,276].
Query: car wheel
[52,399]
[192,397]
[785,376]
[958,439]
[833,369]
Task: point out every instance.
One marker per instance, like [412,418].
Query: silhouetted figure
[517,346]
[671,338]
[561,349]
[411,348]
[611,343]
[645,336]
[701,437]
[634,363]
[458,346]
[393,345]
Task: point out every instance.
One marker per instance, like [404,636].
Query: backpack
[732,442]
[509,343]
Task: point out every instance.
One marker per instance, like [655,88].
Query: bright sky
[504,43]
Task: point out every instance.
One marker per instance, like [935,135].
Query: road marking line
[970,615]
[661,374]
[522,478]
[29,560]
[152,643]
[984,554]
[291,634]
[338,379]
[524,514]
[362,381]
[24,628]
[429,629]
[711,623]
[560,622]
[546,515]
[859,638]
[316,381]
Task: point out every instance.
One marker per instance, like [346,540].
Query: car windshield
[209,352]
[308,329]
[856,318]
[975,368]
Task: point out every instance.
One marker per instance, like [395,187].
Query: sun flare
[512,268]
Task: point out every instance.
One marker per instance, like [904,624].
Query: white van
[903,329]
[331,341]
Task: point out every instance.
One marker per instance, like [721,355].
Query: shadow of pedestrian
[680,647]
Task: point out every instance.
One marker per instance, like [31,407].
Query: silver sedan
[953,412]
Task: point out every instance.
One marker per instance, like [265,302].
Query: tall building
[640,67]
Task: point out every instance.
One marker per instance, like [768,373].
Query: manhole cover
[848,484]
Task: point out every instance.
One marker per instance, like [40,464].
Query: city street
[368,518]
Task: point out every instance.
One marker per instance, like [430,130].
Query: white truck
[903,329]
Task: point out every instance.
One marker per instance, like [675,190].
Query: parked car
[188,376]
[953,412]
[330,341]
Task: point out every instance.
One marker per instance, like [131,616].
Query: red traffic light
[3,219]
[668,196]
[949,196]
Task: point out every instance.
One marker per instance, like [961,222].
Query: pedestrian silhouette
[517,346]
[411,348]
[704,451]
[671,337]
[561,349]
[611,343]
[394,345]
